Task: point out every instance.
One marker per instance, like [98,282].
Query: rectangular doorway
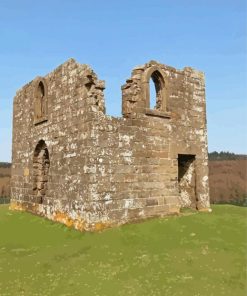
[187,180]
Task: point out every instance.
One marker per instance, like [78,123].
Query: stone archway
[41,164]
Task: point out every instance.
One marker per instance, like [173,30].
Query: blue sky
[115,36]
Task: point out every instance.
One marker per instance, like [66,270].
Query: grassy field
[196,254]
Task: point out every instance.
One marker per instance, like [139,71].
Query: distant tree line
[5,188]
[4,175]
[5,194]
[237,201]
[5,165]
[225,155]
[5,191]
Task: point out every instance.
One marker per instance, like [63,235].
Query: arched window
[154,88]
[159,85]
[40,102]
[41,164]
[152,94]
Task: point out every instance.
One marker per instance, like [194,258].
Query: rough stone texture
[74,164]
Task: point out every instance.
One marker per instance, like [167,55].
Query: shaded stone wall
[104,170]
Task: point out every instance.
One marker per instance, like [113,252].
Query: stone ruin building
[74,164]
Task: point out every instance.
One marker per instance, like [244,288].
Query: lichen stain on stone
[63,218]
[14,206]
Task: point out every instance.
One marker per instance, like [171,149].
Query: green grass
[196,254]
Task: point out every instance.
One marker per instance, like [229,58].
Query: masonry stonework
[74,164]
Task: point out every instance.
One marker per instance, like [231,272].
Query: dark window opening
[41,89]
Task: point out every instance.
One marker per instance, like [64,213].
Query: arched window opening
[41,164]
[40,103]
[41,89]
[159,84]
[152,94]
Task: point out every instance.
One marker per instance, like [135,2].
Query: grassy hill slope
[197,254]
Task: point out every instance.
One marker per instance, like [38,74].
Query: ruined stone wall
[183,110]
[105,170]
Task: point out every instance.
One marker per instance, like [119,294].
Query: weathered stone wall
[104,170]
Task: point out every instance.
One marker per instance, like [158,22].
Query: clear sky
[115,36]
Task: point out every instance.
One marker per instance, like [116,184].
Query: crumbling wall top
[136,91]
